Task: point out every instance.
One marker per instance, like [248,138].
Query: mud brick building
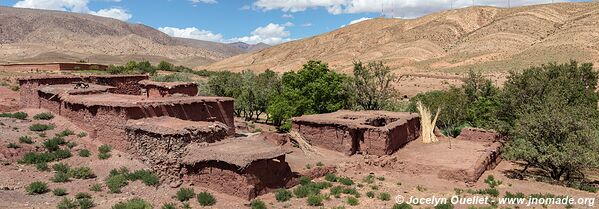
[369,132]
[52,66]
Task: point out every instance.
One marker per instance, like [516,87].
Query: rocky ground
[16,177]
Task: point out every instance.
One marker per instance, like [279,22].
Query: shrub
[402,206]
[81,134]
[85,203]
[35,158]
[135,203]
[345,181]
[283,195]
[206,199]
[314,200]
[331,177]
[17,115]
[67,203]
[353,201]
[43,116]
[169,206]
[185,194]
[146,176]
[83,195]
[368,179]
[13,145]
[304,180]
[336,191]
[61,167]
[492,182]
[116,182]
[25,140]
[59,192]
[104,156]
[257,204]
[584,186]
[82,173]
[302,191]
[54,143]
[370,194]
[37,187]
[42,166]
[41,127]
[60,154]
[373,85]
[384,196]
[319,164]
[70,145]
[84,153]
[95,187]
[104,148]
[374,187]
[351,191]
[444,206]
[60,177]
[381,178]
[65,133]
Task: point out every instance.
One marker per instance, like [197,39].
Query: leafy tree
[452,104]
[372,84]
[550,114]
[166,66]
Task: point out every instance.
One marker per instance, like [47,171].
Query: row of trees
[549,115]
[314,89]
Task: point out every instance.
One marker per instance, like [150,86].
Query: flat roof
[125,100]
[174,126]
[239,151]
[58,76]
[167,85]
[357,119]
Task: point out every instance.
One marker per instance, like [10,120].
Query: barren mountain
[42,35]
[484,38]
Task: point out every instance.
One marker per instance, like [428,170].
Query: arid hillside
[30,35]
[482,38]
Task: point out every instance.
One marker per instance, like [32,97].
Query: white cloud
[288,24]
[307,24]
[271,34]
[399,8]
[79,6]
[286,15]
[204,1]
[192,33]
[115,13]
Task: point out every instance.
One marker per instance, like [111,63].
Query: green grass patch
[41,127]
[37,187]
[17,115]
[135,203]
[206,199]
[43,116]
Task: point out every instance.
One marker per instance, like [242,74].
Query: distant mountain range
[31,35]
[480,38]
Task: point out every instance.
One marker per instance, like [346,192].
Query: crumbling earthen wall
[153,91]
[28,67]
[29,87]
[257,178]
[383,137]
[163,152]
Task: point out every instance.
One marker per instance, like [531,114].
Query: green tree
[166,66]
[373,85]
[550,115]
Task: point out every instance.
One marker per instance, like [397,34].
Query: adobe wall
[81,66]
[258,178]
[162,152]
[352,140]
[125,84]
[29,67]
[154,91]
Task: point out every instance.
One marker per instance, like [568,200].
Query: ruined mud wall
[383,141]
[340,139]
[221,111]
[350,140]
[154,91]
[29,86]
[163,152]
[29,67]
[258,178]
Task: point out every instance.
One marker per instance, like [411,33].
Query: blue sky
[253,21]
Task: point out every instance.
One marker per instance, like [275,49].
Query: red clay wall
[375,141]
[258,178]
[81,66]
[154,92]
[19,67]
[123,84]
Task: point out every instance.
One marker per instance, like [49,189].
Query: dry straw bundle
[427,124]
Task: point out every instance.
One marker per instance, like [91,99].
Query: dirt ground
[15,177]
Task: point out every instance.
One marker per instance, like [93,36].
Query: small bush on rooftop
[43,116]
[41,127]
[37,187]
[206,199]
[135,203]
[185,194]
